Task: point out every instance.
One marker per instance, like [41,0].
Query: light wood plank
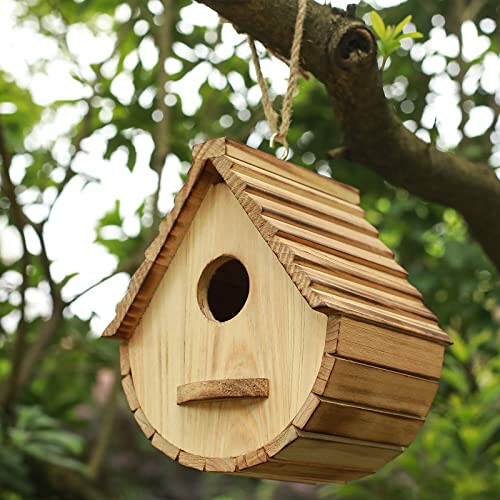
[327,227]
[380,388]
[347,287]
[315,207]
[302,472]
[190,460]
[278,183]
[356,422]
[323,374]
[373,344]
[124,359]
[253,458]
[333,451]
[144,423]
[306,411]
[209,149]
[220,465]
[332,333]
[358,272]
[165,447]
[362,311]
[306,177]
[145,280]
[128,389]
[314,240]
[282,440]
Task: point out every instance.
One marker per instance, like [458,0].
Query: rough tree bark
[342,53]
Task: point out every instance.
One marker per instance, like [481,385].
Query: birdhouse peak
[313,224]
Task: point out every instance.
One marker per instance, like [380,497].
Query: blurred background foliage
[65,431]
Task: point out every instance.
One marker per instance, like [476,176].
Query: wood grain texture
[344,287]
[302,472]
[165,447]
[220,465]
[380,346]
[190,460]
[306,411]
[281,441]
[371,313]
[358,273]
[170,349]
[332,211]
[357,422]
[316,240]
[209,149]
[251,459]
[375,387]
[218,390]
[329,228]
[324,374]
[128,389]
[124,359]
[332,333]
[144,423]
[332,451]
[144,282]
[271,164]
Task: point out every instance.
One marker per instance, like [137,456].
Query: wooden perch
[218,390]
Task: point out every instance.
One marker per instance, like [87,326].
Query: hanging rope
[279,134]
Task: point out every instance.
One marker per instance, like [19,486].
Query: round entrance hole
[223,288]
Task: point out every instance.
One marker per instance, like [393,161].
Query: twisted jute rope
[279,134]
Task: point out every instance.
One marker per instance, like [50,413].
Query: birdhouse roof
[313,224]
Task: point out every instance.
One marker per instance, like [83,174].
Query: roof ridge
[213,162]
[301,279]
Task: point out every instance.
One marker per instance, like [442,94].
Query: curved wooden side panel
[358,417]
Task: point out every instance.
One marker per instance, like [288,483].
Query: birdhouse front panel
[270,333]
[182,338]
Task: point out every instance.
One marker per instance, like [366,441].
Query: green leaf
[66,279]
[132,156]
[414,34]
[391,46]
[399,28]
[377,23]
[66,441]
[389,32]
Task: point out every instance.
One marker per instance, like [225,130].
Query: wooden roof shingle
[316,229]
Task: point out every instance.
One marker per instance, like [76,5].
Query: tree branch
[341,52]
[128,266]
[161,134]
[35,353]
[12,386]
[105,431]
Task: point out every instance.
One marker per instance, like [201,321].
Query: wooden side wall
[362,412]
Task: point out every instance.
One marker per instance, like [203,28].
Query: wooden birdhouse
[269,332]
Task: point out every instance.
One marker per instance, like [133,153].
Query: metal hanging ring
[286,148]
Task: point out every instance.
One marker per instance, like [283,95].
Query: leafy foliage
[390,37]
[36,436]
